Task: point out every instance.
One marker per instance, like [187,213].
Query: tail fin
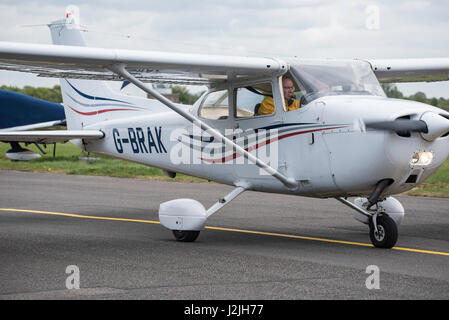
[89,101]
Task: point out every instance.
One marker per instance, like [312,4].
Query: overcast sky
[303,28]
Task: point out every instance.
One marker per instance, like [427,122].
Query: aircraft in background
[21,112]
[347,139]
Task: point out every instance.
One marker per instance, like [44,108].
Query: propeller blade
[400,126]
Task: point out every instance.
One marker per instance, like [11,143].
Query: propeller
[400,126]
[431,126]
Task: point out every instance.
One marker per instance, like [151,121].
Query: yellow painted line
[324,240]
[78,215]
[422,251]
[291,236]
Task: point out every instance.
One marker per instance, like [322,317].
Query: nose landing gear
[383,219]
[383,231]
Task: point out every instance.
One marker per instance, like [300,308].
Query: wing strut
[121,70]
[224,201]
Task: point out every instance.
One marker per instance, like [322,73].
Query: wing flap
[50,136]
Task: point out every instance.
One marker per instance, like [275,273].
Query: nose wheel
[186,236]
[383,231]
[383,221]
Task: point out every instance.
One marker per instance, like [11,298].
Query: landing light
[421,158]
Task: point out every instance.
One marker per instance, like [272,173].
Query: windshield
[321,78]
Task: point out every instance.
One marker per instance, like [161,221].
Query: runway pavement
[260,246]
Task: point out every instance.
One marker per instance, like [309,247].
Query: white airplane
[347,138]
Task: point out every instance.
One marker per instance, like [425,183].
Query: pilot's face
[289,88]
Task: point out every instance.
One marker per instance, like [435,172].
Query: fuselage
[321,146]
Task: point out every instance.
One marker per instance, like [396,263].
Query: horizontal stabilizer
[50,136]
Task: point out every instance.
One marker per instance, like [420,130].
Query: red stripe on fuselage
[235,155]
[92,113]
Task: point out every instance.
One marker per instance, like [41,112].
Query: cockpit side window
[215,106]
[254,100]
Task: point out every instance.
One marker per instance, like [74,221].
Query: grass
[437,185]
[66,162]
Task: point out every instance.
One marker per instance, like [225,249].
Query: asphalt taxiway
[260,246]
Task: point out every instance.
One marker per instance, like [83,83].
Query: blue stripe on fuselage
[92,97]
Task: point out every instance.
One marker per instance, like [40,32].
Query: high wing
[181,68]
[411,70]
[147,66]
[50,136]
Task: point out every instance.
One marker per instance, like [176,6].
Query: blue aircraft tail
[18,110]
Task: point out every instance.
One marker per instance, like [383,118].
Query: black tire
[387,232]
[186,236]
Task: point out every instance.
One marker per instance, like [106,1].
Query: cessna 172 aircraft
[346,139]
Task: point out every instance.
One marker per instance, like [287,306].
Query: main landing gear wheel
[186,236]
[387,232]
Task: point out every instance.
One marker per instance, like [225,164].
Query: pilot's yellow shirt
[267,106]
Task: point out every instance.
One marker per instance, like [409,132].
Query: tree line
[391,90]
[49,94]
[54,94]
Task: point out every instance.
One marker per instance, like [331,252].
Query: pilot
[267,105]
